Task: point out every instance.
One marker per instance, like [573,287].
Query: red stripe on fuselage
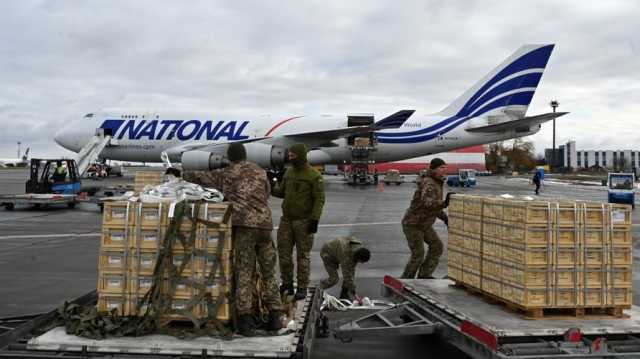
[280,124]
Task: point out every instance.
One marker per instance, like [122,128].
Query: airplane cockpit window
[89,115]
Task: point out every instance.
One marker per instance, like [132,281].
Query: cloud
[62,59]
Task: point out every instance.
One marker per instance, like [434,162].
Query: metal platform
[506,323]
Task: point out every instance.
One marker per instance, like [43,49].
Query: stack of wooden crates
[538,255]
[146,178]
[131,235]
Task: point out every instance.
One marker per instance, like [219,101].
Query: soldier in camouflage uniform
[345,253]
[303,191]
[247,187]
[426,206]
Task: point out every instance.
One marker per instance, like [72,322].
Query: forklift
[46,187]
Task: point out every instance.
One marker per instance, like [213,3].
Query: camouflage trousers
[295,233]
[416,237]
[331,266]
[251,245]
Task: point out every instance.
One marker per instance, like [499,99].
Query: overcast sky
[62,59]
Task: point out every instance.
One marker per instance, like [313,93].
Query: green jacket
[303,193]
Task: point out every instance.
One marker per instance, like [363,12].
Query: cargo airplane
[494,109]
[15,162]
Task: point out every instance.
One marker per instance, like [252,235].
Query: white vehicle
[15,162]
[492,110]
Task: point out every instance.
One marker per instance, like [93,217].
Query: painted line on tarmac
[51,235]
[81,235]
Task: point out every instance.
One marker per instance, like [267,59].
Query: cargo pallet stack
[543,257]
[146,178]
[132,237]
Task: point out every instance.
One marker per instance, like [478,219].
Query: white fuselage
[143,136]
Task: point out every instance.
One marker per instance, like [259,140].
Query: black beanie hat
[435,163]
[236,152]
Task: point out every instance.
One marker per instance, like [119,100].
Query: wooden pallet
[547,313]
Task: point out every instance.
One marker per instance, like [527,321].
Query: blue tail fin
[510,86]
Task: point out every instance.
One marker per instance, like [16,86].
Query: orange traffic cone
[380,186]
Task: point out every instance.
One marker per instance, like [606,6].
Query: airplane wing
[521,124]
[316,138]
[3,165]
[311,139]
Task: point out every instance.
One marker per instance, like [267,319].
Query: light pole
[19,143]
[554,104]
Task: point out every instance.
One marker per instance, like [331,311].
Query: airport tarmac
[48,256]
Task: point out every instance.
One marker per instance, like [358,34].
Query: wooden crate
[567,277]
[471,278]
[594,236]
[594,297]
[525,296]
[566,298]
[566,214]
[567,236]
[472,206]
[146,178]
[621,255]
[567,256]
[455,257]
[492,229]
[456,205]
[112,283]
[473,226]
[113,261]
[621,277]
[142,262]
[224,310]
[491,249]
[529,212]
[180,303]
[177,258]
[527,234]
[454,272]
[140,285]
[621,236]
[456,222]
[118,214]
[218,213]
[211,237]
[455,239]
[472,245]
[593,257]
[204,265]
[526,255]
[115,238]
[147,238]
[182,288]
[108,302]
[492,286]
[471,261]
[593,277]
[621,297]
[151,215]
[491,268]
[493,208]
[597,214]
[526,276]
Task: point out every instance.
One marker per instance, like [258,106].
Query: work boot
[274,323]
[245,325]
[286,289]
[301,293]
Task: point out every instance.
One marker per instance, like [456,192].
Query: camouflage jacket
[303,193]
[427,203]
[340,251]
[246,186]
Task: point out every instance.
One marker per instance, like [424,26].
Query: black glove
[445,219]
[446,199]
[346,294]
[313,226]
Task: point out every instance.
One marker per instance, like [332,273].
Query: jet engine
[264,155]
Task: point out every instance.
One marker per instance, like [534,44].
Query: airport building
[567,156]
[470,157]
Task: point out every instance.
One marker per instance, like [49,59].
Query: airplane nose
[63,138]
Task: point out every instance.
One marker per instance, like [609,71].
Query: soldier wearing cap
[417,224]
[344,253]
